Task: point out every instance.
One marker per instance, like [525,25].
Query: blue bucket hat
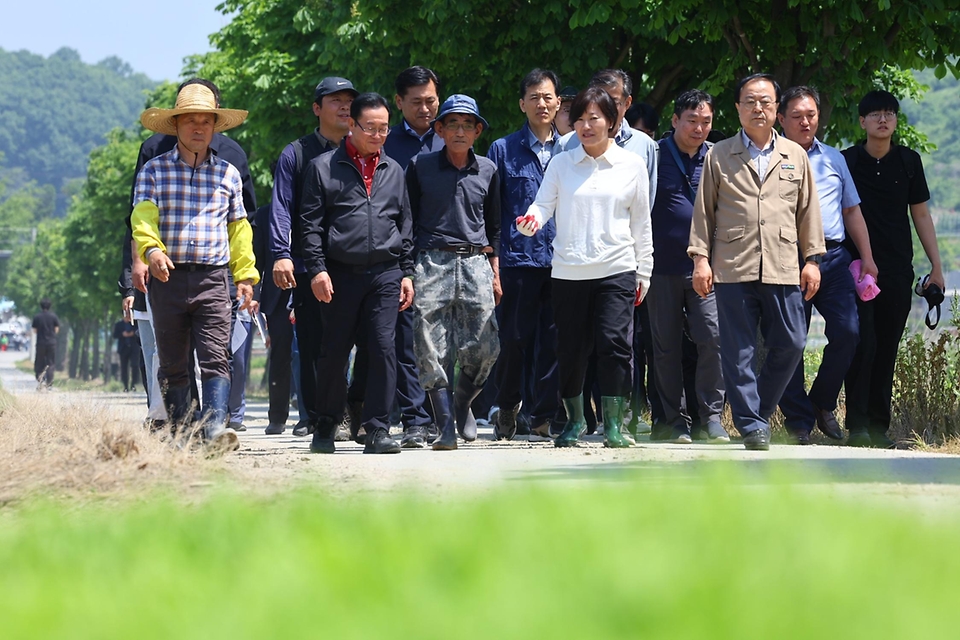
[460,103]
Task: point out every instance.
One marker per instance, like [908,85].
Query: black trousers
[364,302]
[44,362]
[527,365]
[595,313]
[281,353]
[309,328]
[129,366]
[869,381]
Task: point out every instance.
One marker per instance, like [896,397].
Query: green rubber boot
[576,424]
[613,407]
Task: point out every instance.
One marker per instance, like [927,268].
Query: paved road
[930,481]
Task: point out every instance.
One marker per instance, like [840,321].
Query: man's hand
[128,308]
[497,290]
[867,266]
[140,273]
[244,293]
[283,274]
[406,293]
[702,276]
[527,225]
[322,287]
[160,265]
[254,307]
[810,280]
[936,277]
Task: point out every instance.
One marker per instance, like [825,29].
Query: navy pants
[281,356]
[527,332]
[364,302]
[777,310]
[837,303]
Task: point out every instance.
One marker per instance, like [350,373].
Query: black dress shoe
[323,436]
[827,423]
[303,428]
[414,438]
[380,442]
[275,429]
[859,439]
[799,437]
[757,440]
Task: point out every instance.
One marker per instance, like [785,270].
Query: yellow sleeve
[145,224]
[242,261]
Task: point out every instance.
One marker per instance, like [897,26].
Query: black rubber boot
[216,435]
[323,434]
[464,395]
[177,402]
[440,399]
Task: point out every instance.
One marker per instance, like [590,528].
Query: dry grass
[53,446]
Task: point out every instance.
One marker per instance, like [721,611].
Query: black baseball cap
[568,93]
[332,85]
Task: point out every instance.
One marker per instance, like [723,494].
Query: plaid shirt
[195,205]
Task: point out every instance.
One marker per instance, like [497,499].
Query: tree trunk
[85,352]
[95,370]
[76,329]
[108,351]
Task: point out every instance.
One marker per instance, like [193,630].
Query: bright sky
[152,37]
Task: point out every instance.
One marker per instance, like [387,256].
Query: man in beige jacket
[756,203]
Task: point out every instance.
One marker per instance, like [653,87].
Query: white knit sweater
[602,214]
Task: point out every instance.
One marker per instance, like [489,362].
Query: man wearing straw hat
[189,224]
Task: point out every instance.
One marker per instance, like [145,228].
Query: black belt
[463,250]
[833,244]
[192,266]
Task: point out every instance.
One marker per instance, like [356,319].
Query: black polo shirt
[886,192]
[454,207]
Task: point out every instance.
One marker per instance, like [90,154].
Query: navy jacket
[402,145]
[520,178]
[341,223]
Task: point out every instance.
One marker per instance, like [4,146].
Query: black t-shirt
[887,188]
[46,323]
[124,343]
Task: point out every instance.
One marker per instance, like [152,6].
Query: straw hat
[193,98]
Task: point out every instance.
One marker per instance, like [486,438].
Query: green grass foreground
[710,560]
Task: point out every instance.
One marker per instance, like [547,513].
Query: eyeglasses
[765,103]
[882,115]
[382,131]
[466,127]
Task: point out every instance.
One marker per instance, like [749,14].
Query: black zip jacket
[340,223]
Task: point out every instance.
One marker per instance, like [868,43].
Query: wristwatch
[816,258]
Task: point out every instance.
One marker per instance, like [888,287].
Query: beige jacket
[750,229]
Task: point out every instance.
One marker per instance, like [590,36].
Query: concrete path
[929,481]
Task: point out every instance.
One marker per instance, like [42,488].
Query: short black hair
[611,77]
[758,76]
[599,97]
[45,304]
[369,100]
[205,83]
[536,77]
[644,113]
[878,100]
[415,76]
[691,99]
[796,93]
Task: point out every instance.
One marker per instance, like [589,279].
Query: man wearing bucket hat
[331,106]
[189,224]
[455,202]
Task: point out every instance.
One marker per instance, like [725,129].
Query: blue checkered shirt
[195,205]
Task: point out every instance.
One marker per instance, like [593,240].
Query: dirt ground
[87,442]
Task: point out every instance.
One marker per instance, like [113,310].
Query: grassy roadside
[696,558]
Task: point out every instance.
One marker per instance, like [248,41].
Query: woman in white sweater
[602,260]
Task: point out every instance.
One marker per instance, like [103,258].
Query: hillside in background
[53,112]
[938,116]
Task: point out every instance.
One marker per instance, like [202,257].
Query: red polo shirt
[366,166]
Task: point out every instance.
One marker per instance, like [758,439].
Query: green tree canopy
[274,51]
